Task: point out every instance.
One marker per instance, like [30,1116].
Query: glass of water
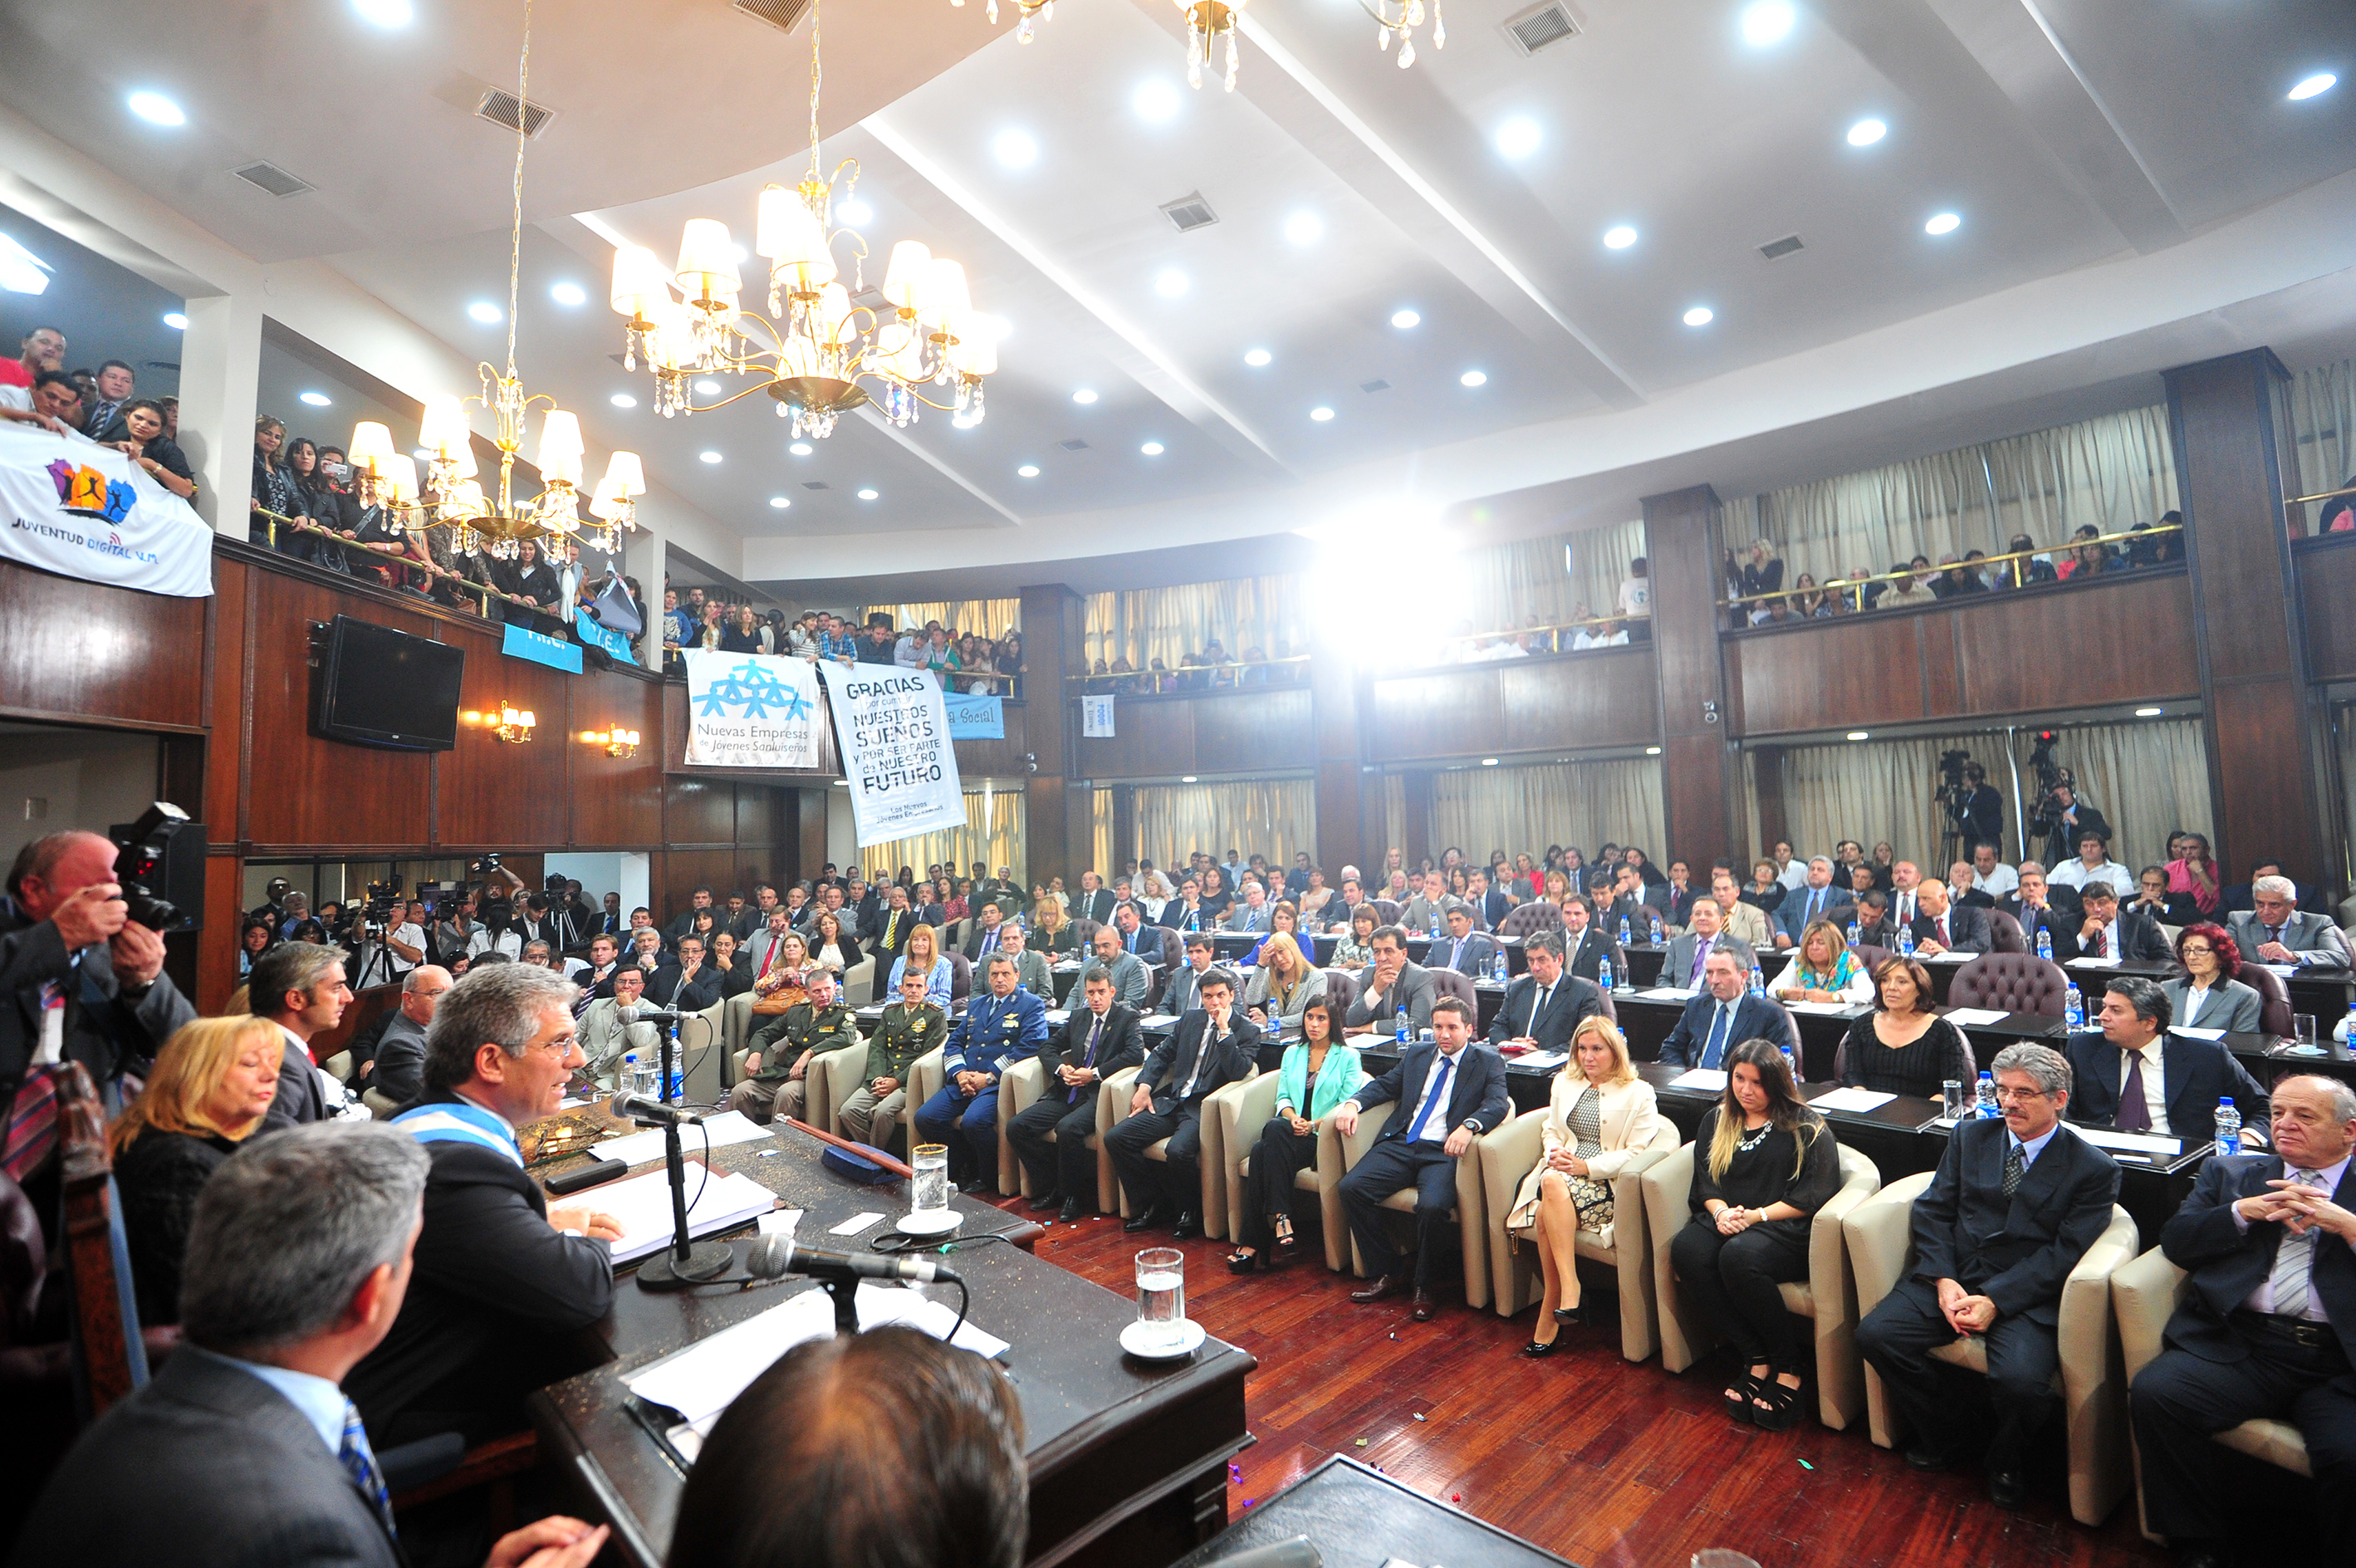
[1952,1103]
[2302,1029]
[1161,1293]
[930,1190]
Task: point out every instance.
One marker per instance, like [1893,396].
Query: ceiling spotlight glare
[1156,100]
[1321,414]
[1257,358]
[801,448]
[1768,22]
[2315,86]
[2150,713]
[623,400]
[386,12]
[484,311]
[1085,395]
[1151,448]
[1403,320]
[1619,237]
[1169,285]
[1015,149]
[572,295]
[175,322]
[1028,471]
[709,456]
[1857,734]
[1943,223]
[1304,229]
[707,389]
[867,494]
[1865,133]
[858,214]
[317,400]
[1700,316]
[1473,379]
[781,503]
[1519,138]
[156,109]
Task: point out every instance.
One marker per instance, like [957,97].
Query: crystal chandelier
[816,347]
[1402,27]
[388,478]
[1041,10]
[1207,21]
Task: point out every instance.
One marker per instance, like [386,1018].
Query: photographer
[1979,808]
[406,938]
[2063,820]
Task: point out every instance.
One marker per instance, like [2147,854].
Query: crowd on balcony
[102,406]
[1756,595]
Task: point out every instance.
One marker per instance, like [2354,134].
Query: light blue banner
[597,635]
[522,642]
[976,716]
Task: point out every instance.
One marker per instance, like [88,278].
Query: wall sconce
[617,742]
[508,723]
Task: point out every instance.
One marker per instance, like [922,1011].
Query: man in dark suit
[612,922]
[2103,930]
[2066,821]
[1981,816]
[686,985]
[300,987]
[2012,1208]
[400,1069]
[1542,1007]
[2137,1077]
[697,902]
[983,941]
[1463,950]
[1212,1045]
[501,1279]
[1815,899]
[2036,906]
[1489,904]
[1093,901]
[1387,984]
[1585,944]
[1443,1095]
[1942,927]
[242,1445]
[2265,1328]
[892,928]
[1680,894]
[1100,1039]
[1725,1014]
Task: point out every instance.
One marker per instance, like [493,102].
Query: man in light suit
[2277,932]
[1251,913]
[1542,1007]
[2103,930]
[244,1445]
[605,1039]
[1387,984]
[1212,1045]
[1443,1095]
[1746,923]
[1130,979]
[1585,945]
[1093,901]
[2137,1077]
[1725,1014]
[1463,950]
[1100,1039]
[1942,927]
[1682,967]
[2265,1328]
[1428,909]
[1815,899]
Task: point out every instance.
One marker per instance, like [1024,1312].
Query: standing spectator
[877,649]
[320,504]
[42,349]
[1636,599]
[746,635]
[531,579]
[275,489]
[104,422]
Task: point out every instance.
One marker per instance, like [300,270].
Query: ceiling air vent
[1776,250]
[271,177]
[1377,384]
[1189,212]
[503,109]
[782,15]
[816,485]
[1535,29]
[1074,445]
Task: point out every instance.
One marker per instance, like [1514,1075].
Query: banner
[750,710]
[1096,718]
[894,730]
[522,642]
[976,715]
[591,631]
[75,508]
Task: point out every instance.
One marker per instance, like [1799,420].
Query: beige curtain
[2148,779]
[2112,472]
[2322,419]
[1100,846]
[1276,819]
[984,618]
[993,833]
[1394,820]
[1550,580]
[1522,809]
[1269,613]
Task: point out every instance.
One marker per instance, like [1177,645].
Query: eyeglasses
[2007,1096]
[2191,947]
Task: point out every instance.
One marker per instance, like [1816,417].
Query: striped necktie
[360,1463]
[2294,1257]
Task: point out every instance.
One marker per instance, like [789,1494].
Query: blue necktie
[1812,906]
[1712,1053]
[360,1463]
[1431,1101]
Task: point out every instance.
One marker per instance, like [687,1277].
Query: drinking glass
[1952,1100]
[2302,1029]
[930,1190]
[1161,1293]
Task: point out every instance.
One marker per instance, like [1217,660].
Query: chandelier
[388,478]
[816,347]
[1402,27]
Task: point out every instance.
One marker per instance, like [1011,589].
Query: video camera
[159,862]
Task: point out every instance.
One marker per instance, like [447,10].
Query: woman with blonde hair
[1284,984]
[1823,969]
[923,954]
[786,979]
[1600,1116]
[213,1081]
[1052,930]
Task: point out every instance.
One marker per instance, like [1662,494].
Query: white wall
[602,873]
[54,778]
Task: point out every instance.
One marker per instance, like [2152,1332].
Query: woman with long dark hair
[1318,1073]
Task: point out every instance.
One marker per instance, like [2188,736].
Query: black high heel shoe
[1740,1393]
[1781,1410]
[1538,1347]
[1242,1263]
[1571,1317]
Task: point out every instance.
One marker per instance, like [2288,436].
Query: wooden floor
[1608,1463]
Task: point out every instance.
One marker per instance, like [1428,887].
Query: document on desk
[1158,1021]
[1856,1100]
[2094,963]
[1708,1078]
[1829,1009]
[1666,994]
[642,1205]
[728,1127]
[1541,1058]
[2285,970]
[2189,1033]
[2130,1143]
[1964,1017]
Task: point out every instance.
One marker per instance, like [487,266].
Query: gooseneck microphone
[644,1108]
[628,1015]
[771,1257]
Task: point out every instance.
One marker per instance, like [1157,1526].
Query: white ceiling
[2078,140]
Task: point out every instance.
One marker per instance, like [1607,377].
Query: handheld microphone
[641,1108]
[771,1257]
[635,1014]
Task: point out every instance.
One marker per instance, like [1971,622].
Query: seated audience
[1991,875]
[1585,945]
[1822,969]
[2103,929]
[1052,931]
[1285,983]
[2034,909]
[1031,971]
[729,967]
[1355,948]
[1542,1010]
[1903,1046]
[1940,927]
[1600,1116]
[1725,1014]
[777,1065]
[300,987]
[1682,965]
[1747,923]
[1963,890]
[1388,987]
[2137,1077]
[913,1025]
[400,1069]
[2093,863]
[1317,1073]
[921,956]
[2151,898]
[1815,898]
[2209,993]
[1051,1134]
[2194,886]
[1002,1026]
[1211,1047]
[1463,950]
[2275,931]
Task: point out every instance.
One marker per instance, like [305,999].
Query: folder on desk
[642,1205]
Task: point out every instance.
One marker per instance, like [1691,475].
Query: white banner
[894,730]
[1096,718]
[750,710]
[75,508]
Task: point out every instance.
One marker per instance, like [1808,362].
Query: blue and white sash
[460,1122]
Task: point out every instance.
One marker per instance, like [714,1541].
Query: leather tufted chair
[2011,982]
[2274,998]
[1341,990]
[2005,934]
[1388,909]
[1529,919]
[1448,982]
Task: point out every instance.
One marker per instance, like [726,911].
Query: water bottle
[1906,942]
[2346,1030]
[1194,919]
[2229,1127]
[1853,933]
[1986,1092]
[2073,1009]
[630,1082]
[1497,969]
[1759,983]
[1435,925]
[1624,931]
[1399,1028]
[1790,1063]
[1656,931]
[1603,974]
[2045,944]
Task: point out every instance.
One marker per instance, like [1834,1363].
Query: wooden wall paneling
[2068,647]
[685,870]
[997,759]
[810,807]
[1681,541]
[699,811]
[1938,644]
[2326,585]
[490,793]
[225,705]
[615,802]
[1059,819]
[1455,712]
[1124,829]
[1825,675]
[1257,730]
[1605,697]
[217,943]
[84,653]
[1767,768]
[1153,737]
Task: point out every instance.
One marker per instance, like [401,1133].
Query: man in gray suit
[2278,932]
[1682,968]
[1428,908]
[243,1446]
[1130,979]
[1387,984]
[1178,996]
[400,1073]
[1463,950]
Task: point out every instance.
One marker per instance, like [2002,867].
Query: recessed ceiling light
[1943,223]
[1519,138]
[1700,316]
[1403,320]
[707,389]
[1619,237]
[1768,22]
[1304,228]
[1474,378]
[2148,712]
[1488,762]
[175,322]
[780,502]
[1015,149]
[1028,471]
[1321,414]
[1186,779]
[1154,100]
[1151,448]
[1086,395]
[867,494]
[801,448]
[1169,285]
[386,12]
[858,214]
[1649,751]
[1001,329]
[623,400]
[2315,86]
[1857,735]
[316,399]
[709,456]
[156,109]
[484,311]
[1256,357]
[1865,133]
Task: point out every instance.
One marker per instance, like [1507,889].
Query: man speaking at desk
[998,1030]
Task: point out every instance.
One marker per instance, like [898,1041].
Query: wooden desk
[1358,1517]
[1128,1460]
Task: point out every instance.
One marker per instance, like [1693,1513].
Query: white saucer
[937,1222]
[1136,1340]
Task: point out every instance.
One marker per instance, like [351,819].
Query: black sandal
[1779,1408]
[1738,1394]
[1242,1263]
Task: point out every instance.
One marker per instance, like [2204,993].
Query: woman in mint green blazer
[1318,1073]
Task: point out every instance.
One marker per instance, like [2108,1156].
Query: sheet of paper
[1666,994]
[1946,957]
[1541,1058]
[2094,963]
[728,1127]
[1707,1078]
[2189,1033]
[642,1205]
[573,1103]
[780,1221]
[855,1224]
[1850,1100]
[2138,1143]
[1964,1018]
[1158,1021]
[1826,1008]
[2284,970]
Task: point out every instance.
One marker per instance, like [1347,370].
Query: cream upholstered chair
[831,1078]
[1471,1212]
[1243,1110]
[1826,1298]
[704,1059]
[859,983]
[2091,1380]
[1510,1154]
[1112,1109]
[2143,1295]
[735,1032]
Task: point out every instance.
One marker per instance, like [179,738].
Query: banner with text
[1096,718]
[75,508]
[894,730]
[976,715]
[750,710]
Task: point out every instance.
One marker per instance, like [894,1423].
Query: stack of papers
[1710,1078]
[1158,1021]
[1666,994]
[642,1206]
[1857,1100]
[2134,1143]
[1964,1018]
[2101,964]
[2189,1033]
[1542,1058]
[728,1127]
[1827,1008]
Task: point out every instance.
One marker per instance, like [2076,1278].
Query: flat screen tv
[381,687]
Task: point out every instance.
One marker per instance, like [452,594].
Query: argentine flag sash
[458,1121]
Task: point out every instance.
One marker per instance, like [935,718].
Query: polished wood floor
[1608,1463]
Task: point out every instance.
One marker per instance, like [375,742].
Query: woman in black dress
[1902,1046]
[1317,1074]
[1763,1164]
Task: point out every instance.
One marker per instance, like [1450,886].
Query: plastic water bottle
[1624,931]
[2073,1009]
[1194,919]
[630,1081]
[1656,931]
[1790,1063]
[1986,1092]
[1759,983]
[2229,1127]
[2045,944]
[2347,1029]
[1497,969]
[1435,925]
[1854,932]
[1603,974]
[1906,942]
[1399,1028]
[674,1086]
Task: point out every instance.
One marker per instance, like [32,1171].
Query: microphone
[635,1014]
[641,1108]
[771,1257]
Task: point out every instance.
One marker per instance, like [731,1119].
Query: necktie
[2135,1115]
[1096,1032]
[890,927]
[32,1130]
[2293,1258]
[1943,931]
[2015,1167]
[1816,908]
[1701,956]
[1538,1007]
[1209,1044]
[1432,1099]
[360,1463]
[1456,954]
[2100,937]
[1712,1053]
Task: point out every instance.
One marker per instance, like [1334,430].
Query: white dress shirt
[2262,1298]
[1439,1082]
[2001,882]
[2155,1093]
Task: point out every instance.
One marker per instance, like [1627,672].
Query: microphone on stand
[638,1108]
[634,1014]
[773,1257]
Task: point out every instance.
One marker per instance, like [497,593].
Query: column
[1060,809]
[644,557]
[220,371]
[1681,540]
[1341,779]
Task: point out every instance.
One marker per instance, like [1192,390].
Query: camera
[159,862]
[484,867]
